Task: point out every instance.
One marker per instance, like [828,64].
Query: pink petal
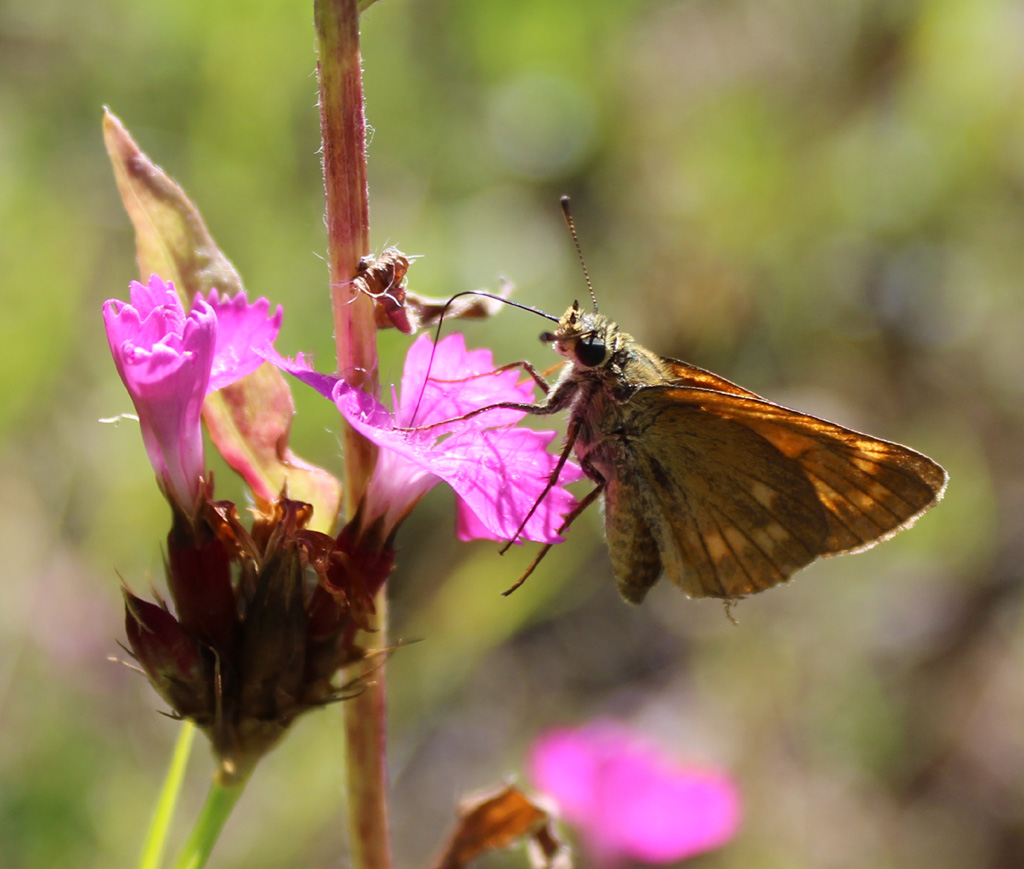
[629,800]
[301,368]
[243,331]
[497,471]
[461,380]
[498,476]
[169,362]
[159,307]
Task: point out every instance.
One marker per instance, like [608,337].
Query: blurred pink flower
[169,362]
[498,471]
[629,800]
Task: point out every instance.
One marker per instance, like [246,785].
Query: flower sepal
[198,571]
[174,662]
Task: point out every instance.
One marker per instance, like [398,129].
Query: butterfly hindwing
[636,562]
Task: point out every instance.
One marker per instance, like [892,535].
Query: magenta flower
[630,801]
[169,362]
[498,471]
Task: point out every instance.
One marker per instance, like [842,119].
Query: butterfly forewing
[730,514]
[684,374]
[869,488]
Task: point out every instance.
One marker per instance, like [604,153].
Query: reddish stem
[343,126]
[348,227]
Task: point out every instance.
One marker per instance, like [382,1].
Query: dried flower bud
[265,618]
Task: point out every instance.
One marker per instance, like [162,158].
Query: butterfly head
[587,339]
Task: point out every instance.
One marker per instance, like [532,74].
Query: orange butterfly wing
[737,493]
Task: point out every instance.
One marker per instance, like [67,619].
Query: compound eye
[590,352]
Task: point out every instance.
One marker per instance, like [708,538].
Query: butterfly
[707,483]
[711,485]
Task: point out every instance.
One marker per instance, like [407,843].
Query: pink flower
[498,471]
[169,362]
[629,800]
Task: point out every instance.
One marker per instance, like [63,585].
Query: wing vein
[768,558]
[703,543]
[837,515]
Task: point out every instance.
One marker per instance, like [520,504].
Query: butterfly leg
[570,439]
[579,508]
[556,400]
[537,377]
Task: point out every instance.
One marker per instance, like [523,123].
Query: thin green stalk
[219,802]
[163,812]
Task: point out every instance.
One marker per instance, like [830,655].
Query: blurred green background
[821,200]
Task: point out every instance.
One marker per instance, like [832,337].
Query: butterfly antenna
[579,251]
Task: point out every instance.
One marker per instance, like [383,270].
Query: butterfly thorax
[605,358]
[607,368]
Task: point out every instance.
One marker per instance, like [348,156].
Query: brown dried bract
[383,279]
[502,819]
